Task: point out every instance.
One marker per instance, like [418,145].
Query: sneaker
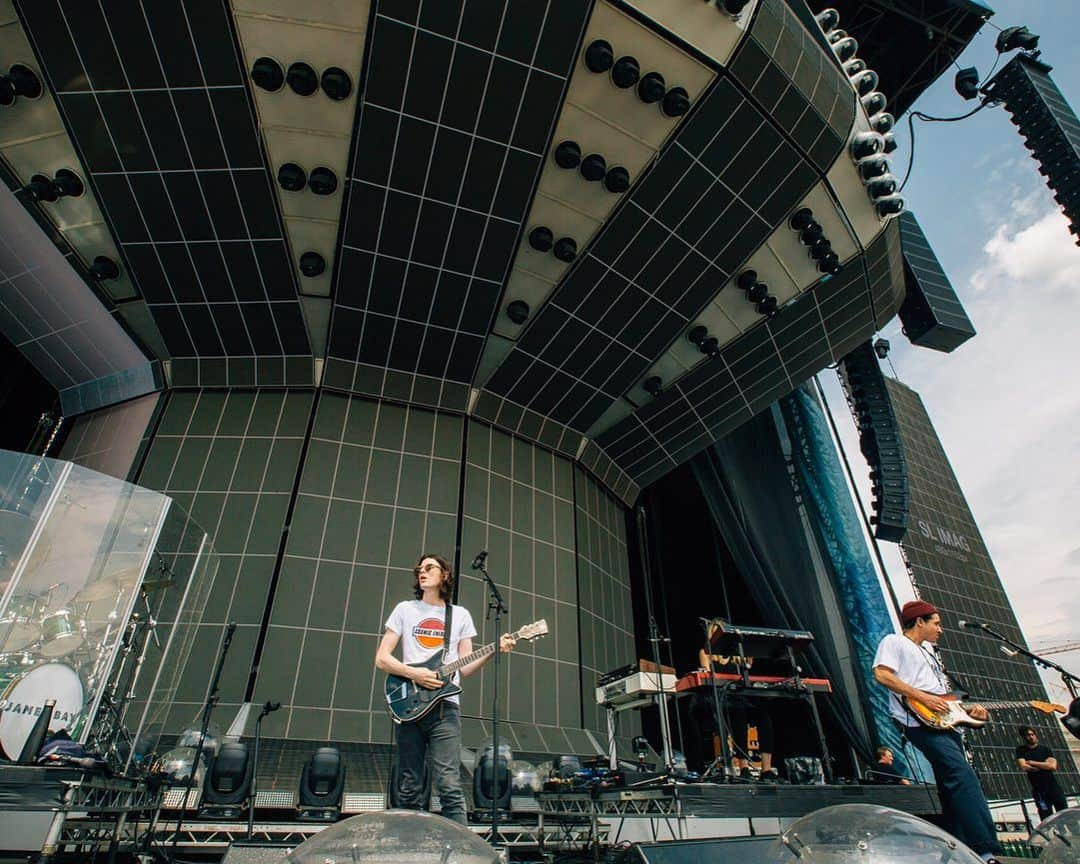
[746,774]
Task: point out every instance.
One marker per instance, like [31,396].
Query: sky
[1006,404]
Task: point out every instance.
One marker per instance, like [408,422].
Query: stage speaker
[745,850]
[256,852]
[1048,124]
[879,440]
[932,314]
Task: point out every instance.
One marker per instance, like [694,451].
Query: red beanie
[916,609]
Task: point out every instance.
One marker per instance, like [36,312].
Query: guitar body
[955,716]
[408,701]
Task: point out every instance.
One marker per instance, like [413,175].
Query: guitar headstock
[532,631]
[1049,707]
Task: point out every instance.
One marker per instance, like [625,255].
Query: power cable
[912,115]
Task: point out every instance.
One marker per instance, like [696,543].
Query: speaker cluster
[706,344]
[20,80]
[64,184]
[542,239]
[812,235]
[301,78]
[868,149]
[593,167]
[757,292]
[625,73]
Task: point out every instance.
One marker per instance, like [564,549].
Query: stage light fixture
[881,348]
[865,82]
[541,238]
[267,73]
[827,19]
[617,180]
[966,82]
[758,292]
[565,249]
[312,264]
[625,72]
[568,154]
[829,263]
[746,279]
[23,81]
[874,102]
[733,7]
[651,87]
[43,189]
[696,334]
[891,205]
[676,102]
[845,49]
[491,783]
[710,346]
[835,36]
[653,385]
[890,142]
[882,122]
[866,144]
[336,83]
[881,187]
[322,181]
[1012,38]
[593,167]
[104,268]
[854,66]
[291,177]
[820,249]
[322,783]
[811,234]
[518,311]
[801,218]
[768,307]
[302,79]
[599,56]
[873,166]
[69,183]
[225,788]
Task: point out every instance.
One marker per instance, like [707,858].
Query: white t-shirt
[913,665]
[422,626]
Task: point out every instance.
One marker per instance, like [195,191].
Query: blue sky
[1007,403]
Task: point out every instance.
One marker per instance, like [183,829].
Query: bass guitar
[408,701]
[958,715]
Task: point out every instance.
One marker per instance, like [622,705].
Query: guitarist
[419,625]
[907,668]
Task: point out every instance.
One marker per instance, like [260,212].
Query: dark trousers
[963,804]
[1049,800]
[435,738]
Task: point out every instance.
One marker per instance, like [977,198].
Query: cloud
[1072,559]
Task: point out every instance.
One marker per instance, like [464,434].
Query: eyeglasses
[427,569]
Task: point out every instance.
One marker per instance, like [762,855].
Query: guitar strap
[448,624]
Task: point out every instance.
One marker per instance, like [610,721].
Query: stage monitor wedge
[932,314]
[1049,125]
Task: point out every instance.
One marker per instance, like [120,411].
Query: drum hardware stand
[208,707]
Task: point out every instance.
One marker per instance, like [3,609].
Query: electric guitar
[958,715]
[408,701]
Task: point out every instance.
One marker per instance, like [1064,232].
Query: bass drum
[25,696]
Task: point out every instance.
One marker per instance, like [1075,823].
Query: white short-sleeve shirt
[913,665]
[421,627]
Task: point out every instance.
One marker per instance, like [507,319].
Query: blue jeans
[963,804]
[436,736]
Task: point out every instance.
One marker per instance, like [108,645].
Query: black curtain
[748,489]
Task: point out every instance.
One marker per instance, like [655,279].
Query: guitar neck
[450,668]
[1008,704]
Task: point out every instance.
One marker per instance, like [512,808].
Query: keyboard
[698,680]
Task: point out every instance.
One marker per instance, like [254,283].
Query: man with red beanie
[906,667]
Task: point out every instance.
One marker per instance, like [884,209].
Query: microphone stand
[720,764]
[1068,679]
[655,639]
[497,605]
[268,708]
[211,701]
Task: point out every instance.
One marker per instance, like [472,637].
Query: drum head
[24,698]
[61,633]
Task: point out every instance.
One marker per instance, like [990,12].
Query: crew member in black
[1039,764]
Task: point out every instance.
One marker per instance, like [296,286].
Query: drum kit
[51,648]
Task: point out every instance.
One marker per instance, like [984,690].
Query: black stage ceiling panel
[760,366]
[707,203]
[458,106]
[156,101]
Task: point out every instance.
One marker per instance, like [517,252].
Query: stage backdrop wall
[319,506]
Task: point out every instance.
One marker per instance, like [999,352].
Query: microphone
[1007,651]
[972,625]
[270,707]
[478,561]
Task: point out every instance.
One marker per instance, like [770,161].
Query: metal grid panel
[797,81]
[459,103]
[379,487]
[156,101]
[951,566]
[712,198]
